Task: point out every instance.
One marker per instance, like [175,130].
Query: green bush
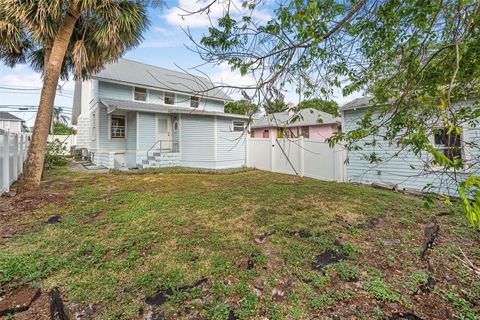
[55,154]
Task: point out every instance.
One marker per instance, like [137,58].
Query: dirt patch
[370,223]
[17,213]
[161,296]
[404,315]
[304,234]
[54,219]
[325,258]
[262,238]
[18,300]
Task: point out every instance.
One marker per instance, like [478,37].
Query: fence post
[302,156]
[20,158]
[6,166]
[247,151]
[272,152]
[15,156]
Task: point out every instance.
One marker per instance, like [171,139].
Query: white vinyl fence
[13,152]
[303,157]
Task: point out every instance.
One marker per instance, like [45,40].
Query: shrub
[55,154]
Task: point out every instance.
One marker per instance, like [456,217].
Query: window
[291,132]
[450,144]
[194,102]
[238,126]
[305,132]
[252,134]
[169,98]
[266,133]
[140,94]
[280,132]
[117,127]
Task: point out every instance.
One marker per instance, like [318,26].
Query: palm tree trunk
[36,152]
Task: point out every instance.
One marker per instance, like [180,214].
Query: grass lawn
[195,237]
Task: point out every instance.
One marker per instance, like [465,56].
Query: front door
[164,129]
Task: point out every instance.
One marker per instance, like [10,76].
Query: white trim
[174,98]
[233,126]
[126,83]
[147,92]
[138,126]
[215,138]
[97,119]
[110,127]
[92,131]
[180,135]
[199,101]
[463,147]
[344,172]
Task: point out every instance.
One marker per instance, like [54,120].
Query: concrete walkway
[86,167]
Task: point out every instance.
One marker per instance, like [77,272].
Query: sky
[165,45]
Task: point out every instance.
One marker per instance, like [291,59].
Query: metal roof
[9,116]
[305,117]
[141,74]
[113,105]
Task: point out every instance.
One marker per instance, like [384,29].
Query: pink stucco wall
[316,132]
[322,132]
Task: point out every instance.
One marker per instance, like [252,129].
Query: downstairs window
[118,127]
[448,143]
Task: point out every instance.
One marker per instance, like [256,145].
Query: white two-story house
[136,115]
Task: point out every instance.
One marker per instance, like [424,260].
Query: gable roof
[305,117]
[141,74]
[9,116]
[362,102]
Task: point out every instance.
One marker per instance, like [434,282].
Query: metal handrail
[174,144]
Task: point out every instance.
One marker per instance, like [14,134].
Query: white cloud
[21,76]
[163,31]
[186,13]
[161,44]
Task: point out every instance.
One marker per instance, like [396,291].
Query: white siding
[197,141]
[404,169]
[231,146]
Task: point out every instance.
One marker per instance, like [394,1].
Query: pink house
[309,123]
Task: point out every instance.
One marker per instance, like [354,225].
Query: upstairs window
[118,127]
[266,133]
[194,102]
[449,143]
[169,98]
[140,94]
[238,126]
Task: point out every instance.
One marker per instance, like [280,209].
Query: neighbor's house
[9,122]
[308,123]
[136,115]
[400,166]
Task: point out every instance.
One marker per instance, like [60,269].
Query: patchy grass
[124,237]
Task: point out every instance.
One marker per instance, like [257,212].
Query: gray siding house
[137,115]
[400,166]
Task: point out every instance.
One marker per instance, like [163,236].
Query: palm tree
[61,37]
[59,117]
